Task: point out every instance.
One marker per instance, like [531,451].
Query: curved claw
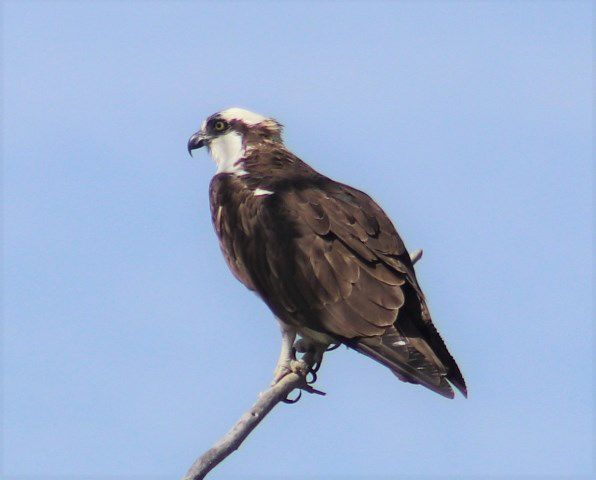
[313,374]
[315,367]
[333,347]
[290,401]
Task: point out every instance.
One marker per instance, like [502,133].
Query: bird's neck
[228,152]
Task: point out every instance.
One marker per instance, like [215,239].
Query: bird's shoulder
[330,208]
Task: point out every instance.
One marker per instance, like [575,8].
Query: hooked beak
[197,140]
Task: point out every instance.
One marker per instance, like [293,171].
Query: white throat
[226,151]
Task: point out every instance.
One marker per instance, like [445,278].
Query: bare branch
[416,255]
[246,424]
[267,400]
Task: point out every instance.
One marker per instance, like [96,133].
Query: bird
[322,255]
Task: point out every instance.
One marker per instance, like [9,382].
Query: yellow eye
[219,126]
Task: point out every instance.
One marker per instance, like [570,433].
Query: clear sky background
[128,347]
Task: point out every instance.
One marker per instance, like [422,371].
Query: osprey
[322,255]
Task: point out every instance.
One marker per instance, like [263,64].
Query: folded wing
[337,265]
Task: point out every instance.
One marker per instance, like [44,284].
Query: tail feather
[412,360]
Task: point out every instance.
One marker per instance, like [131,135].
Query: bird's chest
[235,209]
[240,219]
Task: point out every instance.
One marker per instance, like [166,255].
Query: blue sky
[128,347]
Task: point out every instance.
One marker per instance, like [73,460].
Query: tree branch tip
[416,255]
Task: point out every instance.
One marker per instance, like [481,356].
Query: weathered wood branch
[416,255]
[266,401]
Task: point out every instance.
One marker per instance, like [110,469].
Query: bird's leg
[287,355]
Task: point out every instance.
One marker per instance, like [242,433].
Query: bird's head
[229,133]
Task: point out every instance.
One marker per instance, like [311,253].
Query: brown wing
[337,265]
